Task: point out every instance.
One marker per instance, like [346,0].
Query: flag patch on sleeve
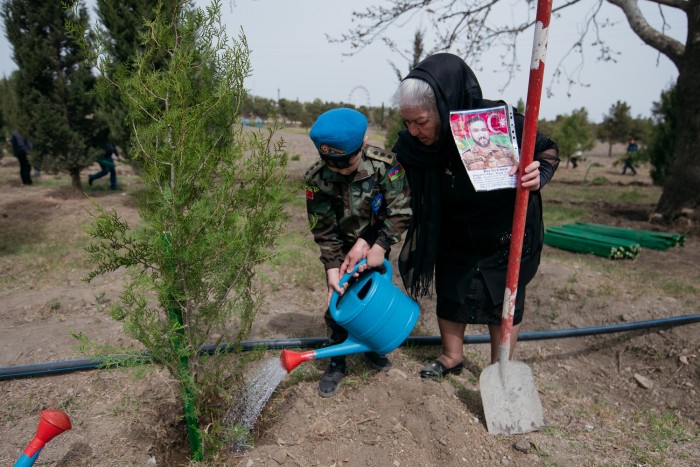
[310,190]
[396,172]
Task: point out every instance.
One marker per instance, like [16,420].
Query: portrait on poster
[487,145]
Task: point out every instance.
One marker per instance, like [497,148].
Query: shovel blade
[510,399]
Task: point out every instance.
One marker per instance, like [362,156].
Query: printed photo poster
[485,139]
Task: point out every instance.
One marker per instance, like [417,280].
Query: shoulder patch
[313,170]
[380,154]
[310,191]
[396,172]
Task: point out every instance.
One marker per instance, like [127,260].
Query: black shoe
[436,369]
[378,362]
[331,378]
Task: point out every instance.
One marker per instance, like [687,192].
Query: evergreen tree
[258,107]
[124,23]
[53,89]
[662,143]
[313,110]
[8,104]
[416,54]
[642,128]
[291,111]
[617,125]
[395,123]
[210,211]
[378,115]
[573,133]
[547,126]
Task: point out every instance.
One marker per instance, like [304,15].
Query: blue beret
[339,132]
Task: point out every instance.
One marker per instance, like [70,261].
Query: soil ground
[614,399]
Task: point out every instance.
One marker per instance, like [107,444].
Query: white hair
[415,93]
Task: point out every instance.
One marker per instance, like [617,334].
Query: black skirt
[478,306]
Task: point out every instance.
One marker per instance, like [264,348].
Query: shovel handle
[532,109]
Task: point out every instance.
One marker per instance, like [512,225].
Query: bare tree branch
[471,28]
[673,49]
[681,4]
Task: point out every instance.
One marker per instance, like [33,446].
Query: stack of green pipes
[646,238]
[585,242]
[607,241]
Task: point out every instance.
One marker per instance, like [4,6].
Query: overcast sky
[293,59]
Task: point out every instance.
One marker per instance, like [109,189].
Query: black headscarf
[456,88]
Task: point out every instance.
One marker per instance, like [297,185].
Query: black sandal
[436,369]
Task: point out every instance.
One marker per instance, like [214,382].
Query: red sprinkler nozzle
[290,359]
[51,424]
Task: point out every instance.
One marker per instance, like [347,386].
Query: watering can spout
[291,360]
[51,424]
[376,314]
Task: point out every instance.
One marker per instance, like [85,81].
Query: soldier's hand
[375,257]
[333,277]
[357,252]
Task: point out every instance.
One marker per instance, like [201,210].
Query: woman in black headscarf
[458,235]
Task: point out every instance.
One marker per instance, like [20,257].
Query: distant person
[107,165]
[576,156]
[631,153]
[358,203]
[485,154]
[20,148]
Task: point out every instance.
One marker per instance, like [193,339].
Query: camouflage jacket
[373,203]
[490,157]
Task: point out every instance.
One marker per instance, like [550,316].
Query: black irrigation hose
[66,366]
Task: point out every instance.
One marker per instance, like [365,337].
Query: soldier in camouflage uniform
[358,201]
[485,154]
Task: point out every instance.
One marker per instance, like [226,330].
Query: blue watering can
[377,315]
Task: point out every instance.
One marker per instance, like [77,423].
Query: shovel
[508,392]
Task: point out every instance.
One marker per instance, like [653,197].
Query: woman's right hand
[531,176]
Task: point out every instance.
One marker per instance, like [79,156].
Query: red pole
[532,109]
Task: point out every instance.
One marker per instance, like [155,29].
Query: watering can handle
[348,275]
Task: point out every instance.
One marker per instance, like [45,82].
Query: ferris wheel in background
[359,96]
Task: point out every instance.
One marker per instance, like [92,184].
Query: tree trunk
[682,185]
[75,180]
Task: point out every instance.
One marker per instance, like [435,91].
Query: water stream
[259,387]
